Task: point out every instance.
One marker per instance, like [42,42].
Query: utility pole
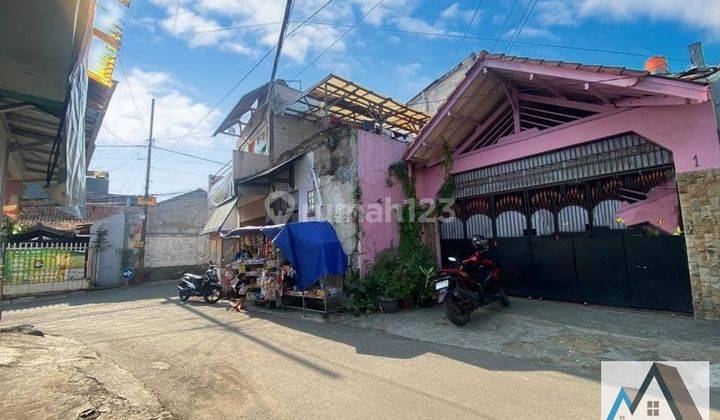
[269,107]
[143,232]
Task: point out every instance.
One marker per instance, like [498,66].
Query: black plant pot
[426,302]
[389,306]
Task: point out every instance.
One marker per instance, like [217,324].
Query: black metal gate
[562,240]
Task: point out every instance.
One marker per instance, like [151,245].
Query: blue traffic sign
[127,273]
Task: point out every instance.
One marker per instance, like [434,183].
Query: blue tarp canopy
[313,248]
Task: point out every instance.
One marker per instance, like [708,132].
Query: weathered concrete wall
[182,215]
[175,250]
[174,226]
[109,260]
[253,210]
[246,163]
[290,131]
[332,154]
[16,290]
[380,192]
[434,95]
[700,205]
[335,162]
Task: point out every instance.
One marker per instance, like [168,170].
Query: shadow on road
[364,341]
[267,345]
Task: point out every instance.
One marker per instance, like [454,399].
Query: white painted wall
[107,265]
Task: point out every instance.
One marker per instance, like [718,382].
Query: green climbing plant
[447,189]
[398,272]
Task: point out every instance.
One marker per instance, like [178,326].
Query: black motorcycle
[208,286]
[475,283]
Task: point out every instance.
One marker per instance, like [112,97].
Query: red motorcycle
[474,283]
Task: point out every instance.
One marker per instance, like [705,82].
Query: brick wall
[700,205]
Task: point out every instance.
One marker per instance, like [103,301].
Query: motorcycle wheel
[504,300]
[454,310]
[183,296]
[212,295]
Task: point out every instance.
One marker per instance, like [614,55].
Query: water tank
[657,64]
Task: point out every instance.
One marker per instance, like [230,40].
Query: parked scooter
[208,285]
[475,283]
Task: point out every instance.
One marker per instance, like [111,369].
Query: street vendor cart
[295,265]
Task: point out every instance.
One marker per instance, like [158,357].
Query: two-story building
[327,150]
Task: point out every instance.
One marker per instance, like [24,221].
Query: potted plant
[389,305]
[394,291]
[426,290]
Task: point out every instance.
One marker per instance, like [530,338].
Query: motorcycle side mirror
[452,259]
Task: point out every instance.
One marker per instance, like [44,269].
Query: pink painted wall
[688,131]
[375,154]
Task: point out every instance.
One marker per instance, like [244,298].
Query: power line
[226,167]
[157,168]
[132,97]
[174,192]
[249,72]
[118,137]
[119,145]
[480,2]
[177,11]
[502,28]
[338,39]
[528,9]
[483,38]
[457,36]
[189,155]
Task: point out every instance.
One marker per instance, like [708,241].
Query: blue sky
[181,54]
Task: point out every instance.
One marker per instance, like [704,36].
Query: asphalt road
[202,361]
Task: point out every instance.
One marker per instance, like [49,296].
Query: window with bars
[311,203]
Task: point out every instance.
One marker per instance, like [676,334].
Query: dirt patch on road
[57,377]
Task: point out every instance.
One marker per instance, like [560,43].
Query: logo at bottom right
[655,390]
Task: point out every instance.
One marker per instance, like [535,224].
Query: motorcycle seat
[193,276]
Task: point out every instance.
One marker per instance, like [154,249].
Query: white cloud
[696,13]
[530,32]
[454,11]
[408,70]
[555,12]
[175,112]
[196,22]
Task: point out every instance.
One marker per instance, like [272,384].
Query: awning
[270,231]
[51,101]
[262,178]
[244,105]
[219,217]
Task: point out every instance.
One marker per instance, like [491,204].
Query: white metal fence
[44,262]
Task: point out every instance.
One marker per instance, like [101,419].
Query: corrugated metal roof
[593,68]
[218,218]
[336,97]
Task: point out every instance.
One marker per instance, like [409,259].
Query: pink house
[547,153]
